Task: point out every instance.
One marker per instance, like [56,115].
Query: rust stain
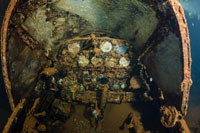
[3,51]
[186,83]
[13,116]
[49,71]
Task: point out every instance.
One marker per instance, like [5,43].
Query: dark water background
[192,11]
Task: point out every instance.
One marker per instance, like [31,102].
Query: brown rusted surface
[30,121]
[13,116]
[133,121]
[184,126]
[186,83]
[3,52]
[49,71]
[169,116]
[135,83]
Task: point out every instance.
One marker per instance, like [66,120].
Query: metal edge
[13,116]
[186,53]
[3,51]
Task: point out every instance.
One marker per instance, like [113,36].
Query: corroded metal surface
[3,52]
[23,28]
[70,58]
[186,83]
[13,116]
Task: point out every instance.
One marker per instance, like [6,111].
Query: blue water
[192,12]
